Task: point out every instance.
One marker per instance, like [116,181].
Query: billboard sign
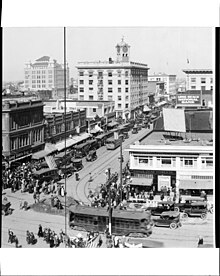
[174,119]
[189,100]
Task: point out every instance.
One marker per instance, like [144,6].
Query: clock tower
[123,51]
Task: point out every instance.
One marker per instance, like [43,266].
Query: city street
[21,221]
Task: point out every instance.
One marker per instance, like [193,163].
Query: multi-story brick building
[22,128]
[121,81]
[45,74]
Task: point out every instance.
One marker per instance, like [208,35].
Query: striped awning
[196,184]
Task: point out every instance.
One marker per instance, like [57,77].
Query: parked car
[91,156]
[197,209]
[162,206]
[168,219]
[77,164]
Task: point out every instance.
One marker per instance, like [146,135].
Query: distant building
[121,81]
[22,128]
[169,82]
[156,91]
[97,112]
[199,79]
[45,74]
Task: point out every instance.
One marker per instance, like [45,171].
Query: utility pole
[110,201]
[121,161]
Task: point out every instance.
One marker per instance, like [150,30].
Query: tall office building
[121,81]
[45,74]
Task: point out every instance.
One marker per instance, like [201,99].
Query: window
[81,97]
[33,81]
[119,82]
[43,77]
[38,77]
[43,72]
[81,81]
[81,74]
[202,88]
[119,90]
[43,85]
[110,90]
[188,162]
[207,162]
[126,97]
[50,71]
[90,97]
[90,82]
[126,82]
[211,80]
[119,98]
[126,89]
[81,89]
[33,86]
[193,79]
[193,87]
[119,74]
[203,80]
[126,73]
[126,105]
[38,72]
[109,82]
[146,161]
[166,161]
[110,98]
[43,81]
[50,76]
[38,81]
[90,74]
[109,74]
[94,110]
[33,72]
[100,74]
[119,105]
[50,81]
[90,88]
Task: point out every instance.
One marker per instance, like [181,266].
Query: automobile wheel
[185,215]
[176,209]
[203,216]
[173,225]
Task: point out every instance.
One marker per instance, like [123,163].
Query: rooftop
[197,139]
[197,71]
[108,64]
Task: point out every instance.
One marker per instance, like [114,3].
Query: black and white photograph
[108,138]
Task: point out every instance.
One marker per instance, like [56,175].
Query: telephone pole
[121,161]
[109,200]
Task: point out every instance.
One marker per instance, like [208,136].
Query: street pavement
[21,221]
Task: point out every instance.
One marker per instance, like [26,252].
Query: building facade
[121,81]
[187,168]
[45,74]
[199,79]
[97,112]
[22,128]
[55,124]
[168,80]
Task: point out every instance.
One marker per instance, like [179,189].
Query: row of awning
[184,184]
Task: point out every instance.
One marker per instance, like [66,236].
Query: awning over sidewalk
[142,181]
[40,154]
[72,141]
[196,184]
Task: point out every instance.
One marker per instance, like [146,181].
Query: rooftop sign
[188,100]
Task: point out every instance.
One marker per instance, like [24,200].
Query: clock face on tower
[125,49]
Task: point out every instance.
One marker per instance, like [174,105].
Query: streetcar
[112,143]
[124,223]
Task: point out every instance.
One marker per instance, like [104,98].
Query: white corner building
[122,81]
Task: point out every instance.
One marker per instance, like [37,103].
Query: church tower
[123,51]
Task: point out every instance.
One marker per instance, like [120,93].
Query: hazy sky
[164,49]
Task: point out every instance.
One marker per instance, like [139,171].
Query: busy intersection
[91,178]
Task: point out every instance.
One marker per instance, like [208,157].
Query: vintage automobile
[167,219]
[162,206]
[91,156]
[6,210]
[77,164]
[134,130]
[67,170]
[188,202]
[46,175]
[126,135]
[197,209]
